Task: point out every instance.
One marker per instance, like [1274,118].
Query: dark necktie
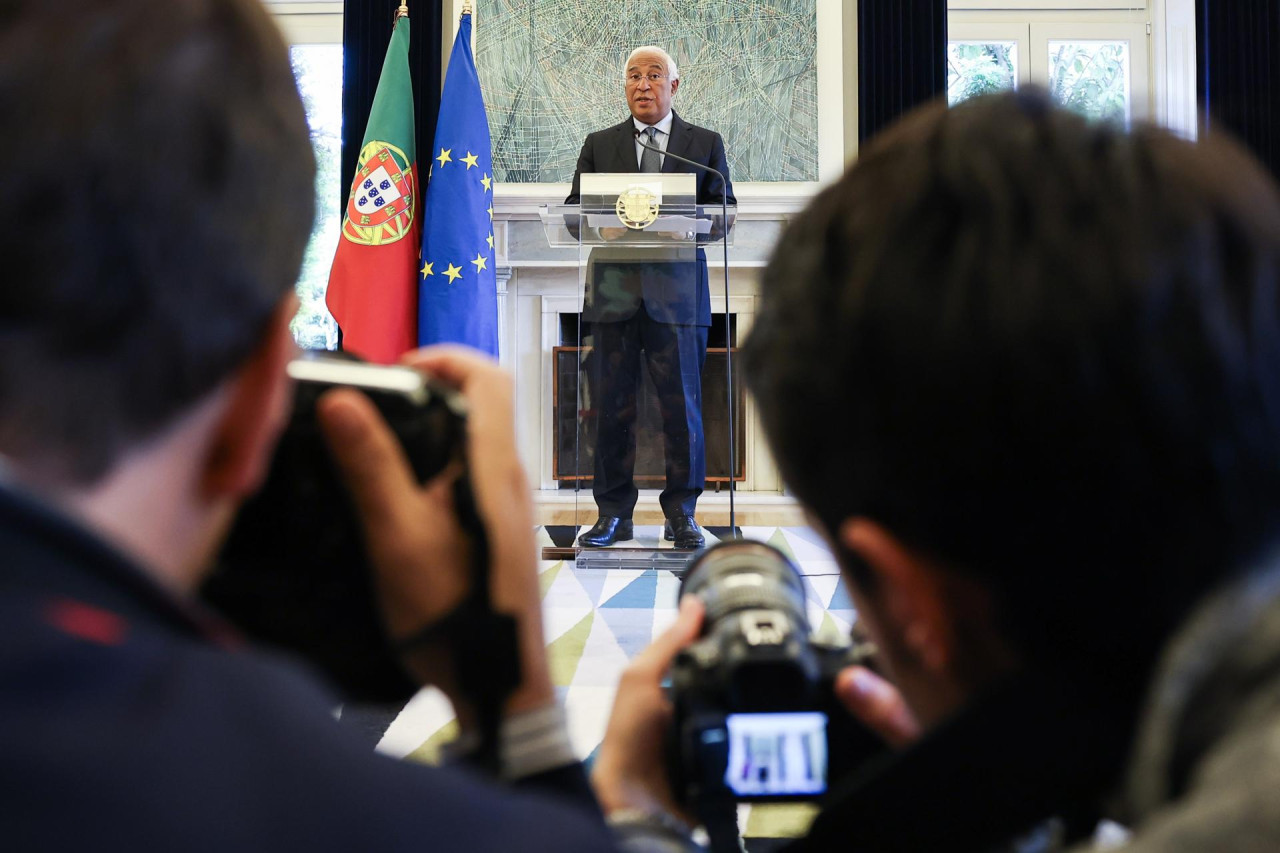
[650,160]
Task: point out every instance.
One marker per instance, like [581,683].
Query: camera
[756,718]
[293,572]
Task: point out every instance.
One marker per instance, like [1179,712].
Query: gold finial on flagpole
[466,7]
[403,11]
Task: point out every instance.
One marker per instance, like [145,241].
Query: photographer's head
[1024,371]
[158,195]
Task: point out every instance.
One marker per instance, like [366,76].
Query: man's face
[936,631]
[920,692]
[649,100]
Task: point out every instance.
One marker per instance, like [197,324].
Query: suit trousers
[674,355]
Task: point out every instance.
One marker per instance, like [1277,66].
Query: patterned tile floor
[595,621]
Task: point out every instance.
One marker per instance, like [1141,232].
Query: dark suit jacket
[670,292]
[125,724]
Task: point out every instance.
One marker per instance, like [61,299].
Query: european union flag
[458,293]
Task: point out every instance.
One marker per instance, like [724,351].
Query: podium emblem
[637,208]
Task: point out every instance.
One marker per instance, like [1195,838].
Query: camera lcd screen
[777,755]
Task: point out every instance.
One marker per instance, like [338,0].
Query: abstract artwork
[551,72]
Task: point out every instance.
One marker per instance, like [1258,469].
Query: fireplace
[574,438]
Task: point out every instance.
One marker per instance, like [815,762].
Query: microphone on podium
[728,342]
[723,183]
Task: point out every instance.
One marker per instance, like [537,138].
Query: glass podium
[641,401]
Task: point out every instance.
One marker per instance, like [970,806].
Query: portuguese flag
[373,285]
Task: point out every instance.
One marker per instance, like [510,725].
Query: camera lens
[756,625]
[738,575]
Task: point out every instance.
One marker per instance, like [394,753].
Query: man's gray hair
[672,71]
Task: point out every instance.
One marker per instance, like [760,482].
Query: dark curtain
[1239,70]
[902,59]
[366,31]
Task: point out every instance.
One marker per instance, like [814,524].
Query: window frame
[1050,5]
[308,21]
[987,33]
[1142,94]
[304,24]
[1170,96]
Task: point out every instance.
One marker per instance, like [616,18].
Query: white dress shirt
[659,141]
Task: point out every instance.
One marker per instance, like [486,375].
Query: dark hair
[1044,352]
[156,195]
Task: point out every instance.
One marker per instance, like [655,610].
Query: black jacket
[129,721]
[671,292]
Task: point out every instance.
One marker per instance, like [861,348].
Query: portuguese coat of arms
[381,205]
[637,207]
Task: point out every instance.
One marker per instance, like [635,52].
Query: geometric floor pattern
[596,620]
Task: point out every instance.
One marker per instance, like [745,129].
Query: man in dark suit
[642,303]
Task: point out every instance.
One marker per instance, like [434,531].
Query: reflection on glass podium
[640,399]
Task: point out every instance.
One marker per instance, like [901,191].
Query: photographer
[1024,373]
[157,181]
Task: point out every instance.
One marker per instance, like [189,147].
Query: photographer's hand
[415,544]
[878,705]
[630,772]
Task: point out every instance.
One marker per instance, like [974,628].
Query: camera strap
[484,644]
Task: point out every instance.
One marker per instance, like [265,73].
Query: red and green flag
[373,285]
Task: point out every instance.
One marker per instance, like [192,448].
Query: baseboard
[754,509]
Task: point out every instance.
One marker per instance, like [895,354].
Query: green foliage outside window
[979,69]
[318,70]
[1091,78]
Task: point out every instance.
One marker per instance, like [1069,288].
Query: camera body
[756,717]
[293,572]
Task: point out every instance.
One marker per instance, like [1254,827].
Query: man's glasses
[655,79]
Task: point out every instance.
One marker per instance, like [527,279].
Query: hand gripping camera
[293,572]
[756,718]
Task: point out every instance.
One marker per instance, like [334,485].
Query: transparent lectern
[641,378]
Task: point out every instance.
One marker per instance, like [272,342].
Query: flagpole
[403,11]
[466,7]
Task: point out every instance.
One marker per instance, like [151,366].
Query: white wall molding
[1050,5]
[304,7]
[308,22]
[1174,54]
[755,200]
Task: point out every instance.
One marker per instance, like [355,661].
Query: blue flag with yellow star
[458,286]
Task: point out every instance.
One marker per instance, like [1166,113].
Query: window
[314,32]
[318,69]
[984,58]
[1096,63]
[980,67]
[1091,77]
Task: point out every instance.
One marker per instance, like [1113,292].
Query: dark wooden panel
[649,456]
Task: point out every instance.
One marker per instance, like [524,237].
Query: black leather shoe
[684,531]
[606,531]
